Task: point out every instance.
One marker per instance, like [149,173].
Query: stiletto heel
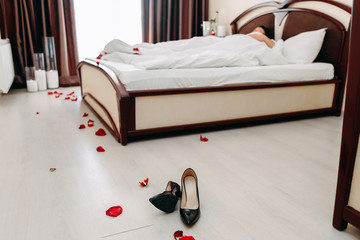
[190,203]
[166,201]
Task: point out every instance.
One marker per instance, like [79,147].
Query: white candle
[40,77]
[221,31]
[52,79]
[31,85]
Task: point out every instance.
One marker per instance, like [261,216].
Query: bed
[128,109]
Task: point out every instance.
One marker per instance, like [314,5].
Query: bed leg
[124,120]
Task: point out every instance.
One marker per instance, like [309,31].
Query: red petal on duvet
[114,211]
[203,139]
[178,234]
[57,96]
[85,114]
[37,113]
[144,183]
[89,121]
[100,56]
[70,93]
[50,93]
[82,126]
[100,149]
[98,63]
[74,99]
[67,98]
[135,49]
[90,124]
[100,132]
[136,53]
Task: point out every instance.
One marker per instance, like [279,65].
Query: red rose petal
[144,183]
[99,57]
[178,234]
[90,121]
[187,238]
[70,93]
[74,99]
[98,63]
[135,53]
[90,124]
[85,114]
[57,96]
[100,149]
[203,139]
[59,93]
[100,132]
[106,53]
[37,113]
[82,126]
[67,98]
[50,93]
[135,49]
[52,169]
[114,211]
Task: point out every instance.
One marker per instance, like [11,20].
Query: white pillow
[304,47]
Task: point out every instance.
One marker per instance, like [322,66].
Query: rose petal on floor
[144,183]
[114,211]
[203,139]
[82,126]
[100,132]
[100,149]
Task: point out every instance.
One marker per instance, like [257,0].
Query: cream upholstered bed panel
[354,199]
[182,109]
[95,82]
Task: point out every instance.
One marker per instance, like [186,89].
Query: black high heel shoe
[190,203]
[166,201]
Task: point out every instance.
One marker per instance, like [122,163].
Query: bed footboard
[106,96]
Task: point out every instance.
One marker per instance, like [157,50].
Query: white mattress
[138,79]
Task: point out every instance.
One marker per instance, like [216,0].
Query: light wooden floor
[274,181]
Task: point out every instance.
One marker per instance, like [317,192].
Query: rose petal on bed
[203,139]
[50,93]
[52,169]
[144,183]
[100,132]
[67,98]
[99,57]
[82,126]
[56,92]
[90,124]
[178,234]
[106,53]
[135,49]
[37,113]
[69,94]
[59,93]
[74,99]
[114,211]
[85,114]
[90,120]
[57,96]
[98,63]
[100,149]
[135,53]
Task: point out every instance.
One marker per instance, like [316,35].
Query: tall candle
[40,77]
[31,85]
[52,79]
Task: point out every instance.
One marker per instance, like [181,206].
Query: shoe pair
[188,194]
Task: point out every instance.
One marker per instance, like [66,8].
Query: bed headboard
[297,20]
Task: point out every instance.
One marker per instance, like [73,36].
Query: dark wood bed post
[344,214]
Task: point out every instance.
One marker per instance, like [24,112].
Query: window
[99,22]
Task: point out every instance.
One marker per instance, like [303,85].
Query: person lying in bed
[238,50]
[261,34]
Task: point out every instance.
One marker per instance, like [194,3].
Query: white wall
[230,9]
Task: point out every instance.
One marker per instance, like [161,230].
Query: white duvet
[199,52]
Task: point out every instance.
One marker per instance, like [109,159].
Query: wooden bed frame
[134,113]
